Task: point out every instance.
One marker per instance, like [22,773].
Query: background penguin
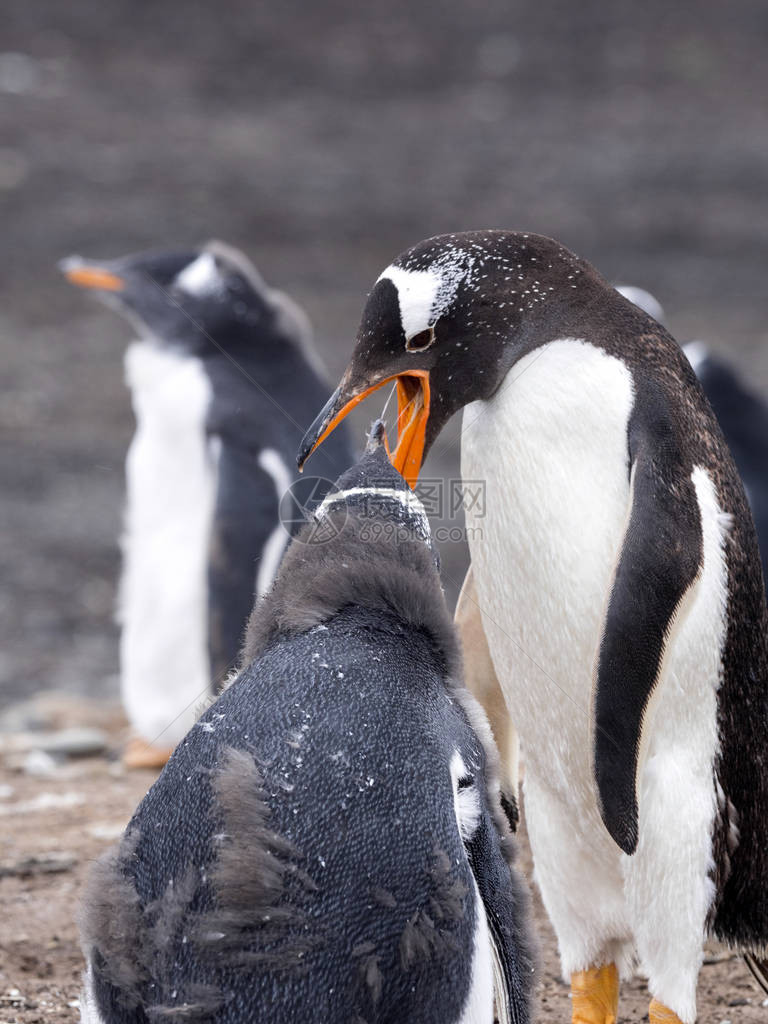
[222,377]
[741,412]
[327,843]
[619,581]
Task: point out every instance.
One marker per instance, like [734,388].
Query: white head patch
[200,277]
[416,293]
[424,295]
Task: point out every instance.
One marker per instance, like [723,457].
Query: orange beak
[88,275]
[412,416]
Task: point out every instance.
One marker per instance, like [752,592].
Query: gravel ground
[323,138]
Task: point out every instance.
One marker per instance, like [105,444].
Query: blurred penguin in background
[741,412]
[222,377]
[327,844]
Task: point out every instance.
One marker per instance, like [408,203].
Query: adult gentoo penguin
[620,587]
[221,378]
[327,844]
[741,412]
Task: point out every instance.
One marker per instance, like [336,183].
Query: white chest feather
[171,483]
[552,448]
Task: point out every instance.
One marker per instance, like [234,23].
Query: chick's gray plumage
[300,857]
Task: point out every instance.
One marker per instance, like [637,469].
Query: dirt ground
[56,825]
[323,138]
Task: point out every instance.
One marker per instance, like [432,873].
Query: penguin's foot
[595,995]
[137,753]
[658,1013]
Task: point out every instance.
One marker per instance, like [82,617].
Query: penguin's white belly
[552,449]
[171,483]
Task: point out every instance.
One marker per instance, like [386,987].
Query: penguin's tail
[759,969]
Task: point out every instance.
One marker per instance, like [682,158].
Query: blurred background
[323,139]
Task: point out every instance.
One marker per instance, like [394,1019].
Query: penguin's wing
[659,560]
[743,416]
[505,902]
[246,545]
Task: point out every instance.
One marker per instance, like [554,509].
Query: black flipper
[245,516]
[743,415]
[659,561]
[505,901]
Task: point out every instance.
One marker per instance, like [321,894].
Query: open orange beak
[91,275]
[412,417]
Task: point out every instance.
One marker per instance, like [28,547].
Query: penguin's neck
[561,398]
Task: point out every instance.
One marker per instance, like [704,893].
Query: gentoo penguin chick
[327,843]
[619,581]
[221,378]
[741,413]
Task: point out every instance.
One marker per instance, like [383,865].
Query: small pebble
[83,742]
[77,742]
[39,864]
[22,717]
[39,764]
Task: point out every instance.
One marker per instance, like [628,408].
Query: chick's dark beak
[412,416]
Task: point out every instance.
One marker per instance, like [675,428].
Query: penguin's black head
[190,297]
[373,489]
[446,321]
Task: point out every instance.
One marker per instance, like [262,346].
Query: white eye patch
[425,295]
[466,800]
[200,277]
[417,291]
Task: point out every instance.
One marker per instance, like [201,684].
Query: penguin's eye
[421,341]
